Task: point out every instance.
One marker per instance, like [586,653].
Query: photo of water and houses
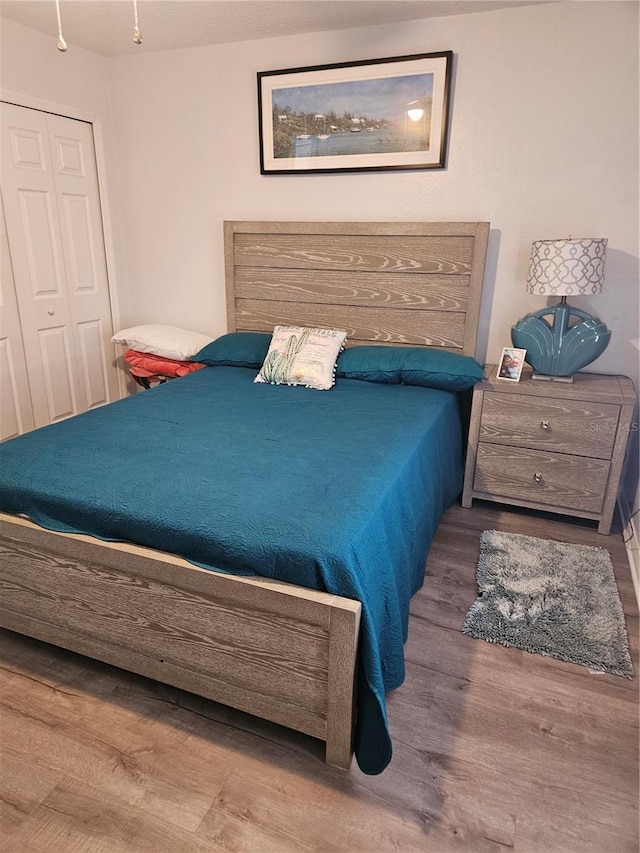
[379,116]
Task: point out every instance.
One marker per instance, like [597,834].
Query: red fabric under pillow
[147,364]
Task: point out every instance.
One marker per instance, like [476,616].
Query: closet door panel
[16,416]
[37,220]
[57,360]
[10,425]
[35,241]
[28,146]
[77,189]
[92,360]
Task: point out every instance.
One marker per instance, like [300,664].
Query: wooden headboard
[399,283]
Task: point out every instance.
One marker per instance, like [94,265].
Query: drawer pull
[545,425]
[538,477]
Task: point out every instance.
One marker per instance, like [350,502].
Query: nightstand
[547,445]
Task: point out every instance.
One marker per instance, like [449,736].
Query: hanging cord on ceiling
[136,29]
[62,45]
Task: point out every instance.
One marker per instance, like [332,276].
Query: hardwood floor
[494,748]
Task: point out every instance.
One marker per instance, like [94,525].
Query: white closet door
[77,193]
[16,416]
[54,228]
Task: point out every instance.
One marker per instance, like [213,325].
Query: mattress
[339,491]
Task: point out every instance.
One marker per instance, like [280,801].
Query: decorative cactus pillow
[301,356]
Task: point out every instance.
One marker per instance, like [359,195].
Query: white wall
[544,143]
[31,64]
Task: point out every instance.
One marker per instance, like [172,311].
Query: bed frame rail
[274,650]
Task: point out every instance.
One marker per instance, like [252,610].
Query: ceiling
[106,26]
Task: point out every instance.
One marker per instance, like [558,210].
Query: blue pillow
[236,349]
[425,366]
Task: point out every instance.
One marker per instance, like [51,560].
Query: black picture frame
[370,115]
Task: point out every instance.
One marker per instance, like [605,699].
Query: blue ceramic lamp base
[558,350]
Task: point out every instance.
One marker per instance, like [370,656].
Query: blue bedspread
[339,491]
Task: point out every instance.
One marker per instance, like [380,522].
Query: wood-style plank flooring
[494,748]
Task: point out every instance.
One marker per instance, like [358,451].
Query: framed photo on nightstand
[511,364]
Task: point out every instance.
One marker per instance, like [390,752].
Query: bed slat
[437,255]
[329,287]
[368,325]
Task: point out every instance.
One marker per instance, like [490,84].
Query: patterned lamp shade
[567,267]
[563,268]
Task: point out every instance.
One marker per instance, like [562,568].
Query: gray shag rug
[552,598]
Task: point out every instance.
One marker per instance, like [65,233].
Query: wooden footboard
[278,651]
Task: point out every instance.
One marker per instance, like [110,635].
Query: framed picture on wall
[511,364]
[371,115]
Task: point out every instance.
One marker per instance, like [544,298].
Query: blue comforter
[339,491]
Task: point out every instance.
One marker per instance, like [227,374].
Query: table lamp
[563,268]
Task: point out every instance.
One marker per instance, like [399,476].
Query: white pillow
[302,356]
[166,341]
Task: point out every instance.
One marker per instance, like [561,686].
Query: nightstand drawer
[557,479]
[544,423]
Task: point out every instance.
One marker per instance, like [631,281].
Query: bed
[255,634]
